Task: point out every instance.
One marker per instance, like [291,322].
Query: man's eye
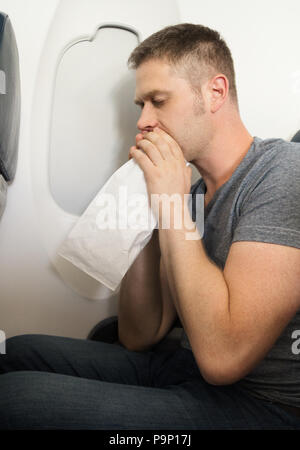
[157,102]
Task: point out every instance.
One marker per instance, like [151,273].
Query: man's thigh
[76,357]
[43,400]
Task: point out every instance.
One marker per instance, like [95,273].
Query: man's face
[169,102]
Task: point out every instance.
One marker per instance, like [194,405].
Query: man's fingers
[176,150]
[151,151]
[142,159]
[129,154]
[138,137]
[160,144]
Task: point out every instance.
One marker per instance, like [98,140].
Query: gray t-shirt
[260,202]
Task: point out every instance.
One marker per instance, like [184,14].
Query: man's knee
[20,400]
[18,348]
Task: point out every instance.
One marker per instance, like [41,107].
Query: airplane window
[94,118]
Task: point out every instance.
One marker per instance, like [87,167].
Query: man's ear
[218,88]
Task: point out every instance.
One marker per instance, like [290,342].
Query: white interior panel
[66,51]
[37,295]
[93,116]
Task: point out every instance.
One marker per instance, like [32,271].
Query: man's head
[184,74]
[194,51]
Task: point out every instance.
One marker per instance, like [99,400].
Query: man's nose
[148,120]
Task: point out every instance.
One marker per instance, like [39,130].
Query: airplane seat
[107,331]
[9,106]
[296,138]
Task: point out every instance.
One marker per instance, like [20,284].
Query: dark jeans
[51,382]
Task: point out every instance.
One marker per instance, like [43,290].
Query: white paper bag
[114,228]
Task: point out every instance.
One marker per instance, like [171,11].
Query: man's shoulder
[280,149]
[276,156]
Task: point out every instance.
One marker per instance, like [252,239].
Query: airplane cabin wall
[264,39]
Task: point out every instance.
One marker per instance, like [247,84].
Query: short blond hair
[197,49]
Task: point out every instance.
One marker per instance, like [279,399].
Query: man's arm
[232,317]
[146,310]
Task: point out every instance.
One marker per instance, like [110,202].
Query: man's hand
[163,164]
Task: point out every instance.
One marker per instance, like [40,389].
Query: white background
[263,36]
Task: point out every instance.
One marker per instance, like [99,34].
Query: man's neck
[226,151]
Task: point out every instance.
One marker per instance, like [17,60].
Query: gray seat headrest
[296,138]
[9,99]
[3,190]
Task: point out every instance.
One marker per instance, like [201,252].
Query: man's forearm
[140,306]
[199,291]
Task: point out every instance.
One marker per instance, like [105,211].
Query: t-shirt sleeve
[270,209]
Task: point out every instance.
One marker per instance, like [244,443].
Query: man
[236,289]
[232,314]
